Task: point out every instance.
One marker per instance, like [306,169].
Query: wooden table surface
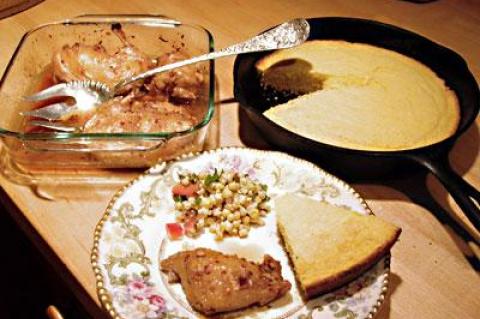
[431,278]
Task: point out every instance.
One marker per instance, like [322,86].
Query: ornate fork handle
[277,38]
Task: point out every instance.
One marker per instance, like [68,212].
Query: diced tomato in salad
[188,191]
[174,231]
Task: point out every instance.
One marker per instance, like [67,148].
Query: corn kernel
[227,193]
[212,228]
[254,213]
[233,186]
[260,222]
[243,211]
[236,215]
[243,233]
[218,198]
[205,202]
[226,212]
[228,226]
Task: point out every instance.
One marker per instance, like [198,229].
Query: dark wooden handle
[53,313]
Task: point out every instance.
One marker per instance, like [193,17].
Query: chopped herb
[198,200]
[264,187]
[211,178]
[177,198]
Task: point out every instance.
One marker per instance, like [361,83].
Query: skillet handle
[464,194]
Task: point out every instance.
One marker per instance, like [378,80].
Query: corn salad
[224,203]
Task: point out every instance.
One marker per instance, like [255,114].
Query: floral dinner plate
[131,240]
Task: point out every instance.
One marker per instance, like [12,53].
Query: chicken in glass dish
[161,103]
[160,118]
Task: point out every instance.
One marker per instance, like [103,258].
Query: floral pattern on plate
[130,240]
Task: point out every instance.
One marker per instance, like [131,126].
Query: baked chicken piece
[93,62]
[214,282]
[137,113]
[181,85]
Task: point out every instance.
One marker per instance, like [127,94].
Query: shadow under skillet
[468,145]
[410,180]
[464,146]
[415,188]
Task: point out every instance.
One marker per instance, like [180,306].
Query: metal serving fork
[89,94]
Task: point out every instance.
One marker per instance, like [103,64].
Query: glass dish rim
[140,19]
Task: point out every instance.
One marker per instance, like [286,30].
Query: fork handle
[231,50]
[286,35]
[164,68]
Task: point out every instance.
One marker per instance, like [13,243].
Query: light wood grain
[430,275]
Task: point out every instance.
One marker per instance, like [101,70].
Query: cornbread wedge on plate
[330,245]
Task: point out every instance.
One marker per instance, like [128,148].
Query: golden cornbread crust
[359,96]
[320,265]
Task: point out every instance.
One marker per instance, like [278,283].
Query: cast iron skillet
[373,164]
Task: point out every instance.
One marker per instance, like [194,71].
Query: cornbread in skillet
[359,96]
[329,245]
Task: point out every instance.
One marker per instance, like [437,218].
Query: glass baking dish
[154,35]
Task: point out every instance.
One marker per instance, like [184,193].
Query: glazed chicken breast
[138,114]
[93,62]
[214,282]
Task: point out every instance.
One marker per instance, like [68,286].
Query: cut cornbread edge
[437,125]
[328,284]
